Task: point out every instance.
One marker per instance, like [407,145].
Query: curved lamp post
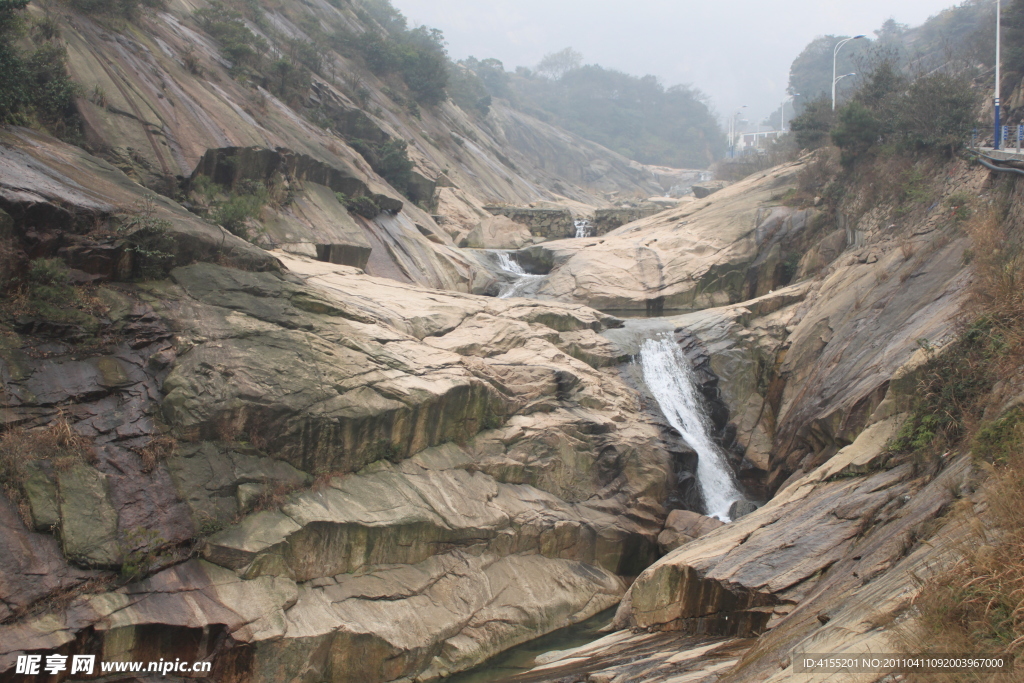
[732,131]
[782,122]
[834,81]
[835,55]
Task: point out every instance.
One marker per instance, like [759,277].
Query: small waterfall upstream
[522,279]
[671,381]
[584,228]
[506,262]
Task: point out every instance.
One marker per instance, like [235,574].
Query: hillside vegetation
[635,116]
[961,37]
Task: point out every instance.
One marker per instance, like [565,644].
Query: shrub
[45,293]
[467,90]
[34,86]
[932,113]
[288,81]
[234,210]
[235,213]
[58,444]
[813,126]
[417,56]
[951,384]
[238,43]
[857,130]
[424,65]
[390,159]
[148,239]
[362,205]
[120,8]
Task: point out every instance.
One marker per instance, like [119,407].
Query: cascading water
[671,381]
[507,263]
[583,227]
[522,279]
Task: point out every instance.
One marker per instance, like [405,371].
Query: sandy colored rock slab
[497,232]
[343,630]
[625,657]
[695,256]
[683,526]
[58,185]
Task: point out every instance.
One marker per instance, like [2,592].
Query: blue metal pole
[999,129]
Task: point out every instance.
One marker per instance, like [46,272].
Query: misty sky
[736,51]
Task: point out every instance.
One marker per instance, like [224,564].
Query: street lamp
[835,55]
[782,122]
[999,130]
[732,131]
[834,88]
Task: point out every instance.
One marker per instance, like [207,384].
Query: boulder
[683,526]
[708,188]
[89,520]
[707,253]
[498,232]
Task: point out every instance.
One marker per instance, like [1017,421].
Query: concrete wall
[552,224]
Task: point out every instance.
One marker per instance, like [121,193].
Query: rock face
[848,523]
[498,232]
[683,526]
[606,220]
[168,96]
[550,224]
[708,188]
[736,246]
[303,428]
[58,193]
[843,544]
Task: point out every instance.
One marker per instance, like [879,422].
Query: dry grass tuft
[907,248]
[57,443]
[159,448]
[272,497]
[977,604]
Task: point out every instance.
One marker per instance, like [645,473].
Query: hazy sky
[736,51]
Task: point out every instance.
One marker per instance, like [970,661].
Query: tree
[34,86]
[856,131]
[813,126]
[424,64]
[467,89]
[938,111]
[932,113]
[556,64]
[635,116]
[1013,36]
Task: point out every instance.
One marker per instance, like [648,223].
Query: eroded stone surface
[711,252]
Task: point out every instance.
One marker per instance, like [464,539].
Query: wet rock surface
[321,479]
[322,462]
[683,526]
[734,246]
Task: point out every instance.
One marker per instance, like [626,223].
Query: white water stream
[522,280]
[583,227]
[506,262]
[671,381]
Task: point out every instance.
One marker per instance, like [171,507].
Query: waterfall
[521,279]
[518,288]
[507,263]
[671,381]
[583,227]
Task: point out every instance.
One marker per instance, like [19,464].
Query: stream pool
[518,660]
